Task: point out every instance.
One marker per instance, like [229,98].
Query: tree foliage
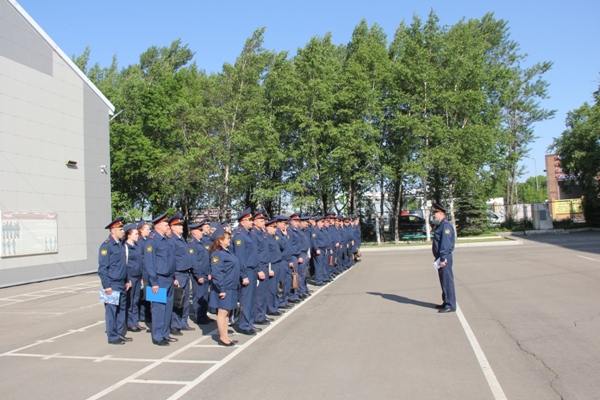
[352,128]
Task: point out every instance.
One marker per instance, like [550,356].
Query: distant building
[565,202]
[54,157]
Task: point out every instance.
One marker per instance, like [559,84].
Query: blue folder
[160,297]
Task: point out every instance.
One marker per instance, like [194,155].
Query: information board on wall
[28,232]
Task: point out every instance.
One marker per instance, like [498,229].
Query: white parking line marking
[50,340]
[49,292]
[483,362]
[239,349]
[156,382]
[587,258]
[109,358]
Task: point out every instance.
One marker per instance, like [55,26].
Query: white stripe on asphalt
[591,259]
[483,362]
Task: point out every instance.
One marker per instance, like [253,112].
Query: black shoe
[205,320]
[286,307]
[318,284]
[126,339]
[263,322]
[270,319]
[160,342]
[187,328]
[134,329]
[171,339]
[250,332]
[230,344]
[446,310]
[276,313]
[176,332]
[257,329]
[443,305]
[294,301]
[118,341]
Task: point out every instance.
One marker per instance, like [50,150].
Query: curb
[510,242]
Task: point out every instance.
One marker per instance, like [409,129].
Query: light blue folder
[160,297]
[112,298]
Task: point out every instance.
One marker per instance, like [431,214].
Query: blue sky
[565,32]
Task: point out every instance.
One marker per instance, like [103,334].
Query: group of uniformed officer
[276,257]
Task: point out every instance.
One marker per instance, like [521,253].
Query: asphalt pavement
[526,328]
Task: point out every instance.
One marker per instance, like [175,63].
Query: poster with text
[28,232]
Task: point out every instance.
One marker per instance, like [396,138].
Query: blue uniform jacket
[206,242]
[305,235]
[183,258]
[134,258]
[159,257]
[443,240]
[295,241]
[284,246]
[111,263]
[263,250]
[200,260]
[246,250]
[225,270]
[319,240]
[274,249]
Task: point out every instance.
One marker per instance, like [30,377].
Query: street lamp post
[537,186]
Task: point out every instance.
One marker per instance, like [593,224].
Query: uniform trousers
[161,312]
[319,261]
[115,314]
[247,299]
[293,293]
[133,301]
[260,302]
[179,317]
[145,306]
[273,286]
[200,300]
[286,278]
[447,283]
[302,289]
[337,261]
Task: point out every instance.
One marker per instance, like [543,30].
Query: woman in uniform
[225,272]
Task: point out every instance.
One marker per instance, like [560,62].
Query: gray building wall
[49,113]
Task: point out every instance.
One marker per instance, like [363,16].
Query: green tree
[579,148]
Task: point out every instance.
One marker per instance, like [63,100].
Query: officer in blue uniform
[287,261]
[276,267]
[303,269]
[442,247]
[205,229]
[298,260]
[133,257]
[225,271]
[245,249]
[159,258]
[183,273]
[112,271]
[330,261]
[145,306]
[262,289]
[319,244]
[200,274]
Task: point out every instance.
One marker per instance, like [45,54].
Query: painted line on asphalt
[238,349]
[51,340]
[40,294]
[483,362]
[587,258]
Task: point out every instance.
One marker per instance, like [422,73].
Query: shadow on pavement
[403,300]
[586,241]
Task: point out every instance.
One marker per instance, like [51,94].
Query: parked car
[495,219]
[412,224]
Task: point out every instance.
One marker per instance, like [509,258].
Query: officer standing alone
[442,247]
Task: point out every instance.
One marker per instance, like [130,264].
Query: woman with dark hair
[133,257]
[225,272]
